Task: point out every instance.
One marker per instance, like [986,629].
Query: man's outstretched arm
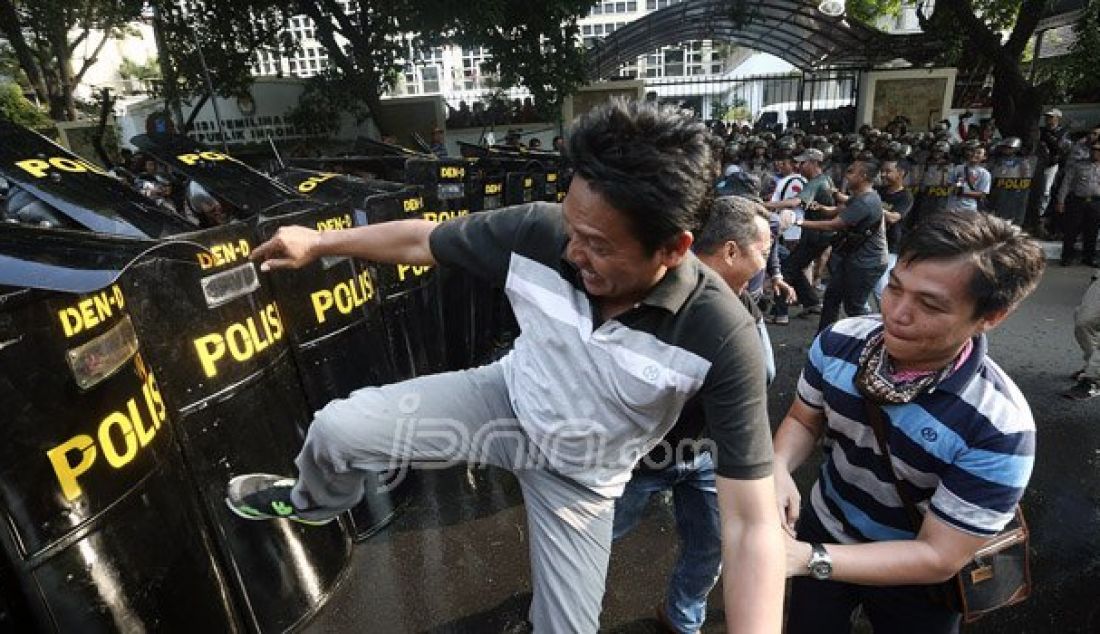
[752,555]
[397,242]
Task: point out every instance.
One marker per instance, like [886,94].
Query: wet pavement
[455,559]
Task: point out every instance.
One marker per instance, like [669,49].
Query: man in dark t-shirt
[621,325]
[859,251]
[897,202]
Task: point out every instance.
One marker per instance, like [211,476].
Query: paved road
[456,560]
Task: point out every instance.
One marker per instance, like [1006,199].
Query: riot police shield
[218,342]
[329,309]
[104,526]
[936,189]
[445,184]
[71,192]
[1012,177]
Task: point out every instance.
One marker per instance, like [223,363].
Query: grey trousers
[1087,329]
[467,416]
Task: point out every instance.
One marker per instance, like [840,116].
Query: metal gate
[768,101]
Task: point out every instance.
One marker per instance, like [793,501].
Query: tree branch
[1026,22]
[88,61]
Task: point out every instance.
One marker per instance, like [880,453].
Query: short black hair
[655,164]
[730,218]
[1007,263]
[869,167]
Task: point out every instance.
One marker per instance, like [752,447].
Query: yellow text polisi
[39,167]
[344,297]
[240,340]
[119,437]
[441,216]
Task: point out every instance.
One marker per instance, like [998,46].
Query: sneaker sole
[267,516]
[264,516]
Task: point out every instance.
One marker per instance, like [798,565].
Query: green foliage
[869,11]
[18,109]
[149,71]
[1074,76]
[46,35]
[228,34]
[326,99]
[531,44]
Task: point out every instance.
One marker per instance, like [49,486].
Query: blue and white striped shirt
[964,449]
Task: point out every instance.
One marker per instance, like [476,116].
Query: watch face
[821,570]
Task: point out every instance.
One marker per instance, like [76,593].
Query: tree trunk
[1017,106]
[59,44]
[12,29]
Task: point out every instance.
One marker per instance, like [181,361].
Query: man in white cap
[1052,147]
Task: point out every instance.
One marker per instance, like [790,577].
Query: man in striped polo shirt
[960,435]
[621,327]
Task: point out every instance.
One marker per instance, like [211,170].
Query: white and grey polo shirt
[594,397]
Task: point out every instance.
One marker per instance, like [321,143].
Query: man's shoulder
[713,315]
[845,339]
[995,398]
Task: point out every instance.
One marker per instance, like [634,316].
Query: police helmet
[23,207]
[826,149]
[1012,143]
[943,147]
[200,200]
[786,143]
[798,132]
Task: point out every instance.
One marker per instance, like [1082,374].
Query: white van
[776,113]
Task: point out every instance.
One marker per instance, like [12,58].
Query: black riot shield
[410,305]
[104,527]
[446,184]
[218,341]
[332,317]
[411,314]
[1012,176]
[76,192]
[936,189]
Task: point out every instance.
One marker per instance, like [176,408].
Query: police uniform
[1080,192]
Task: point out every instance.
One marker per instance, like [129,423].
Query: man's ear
[994,319]
[676,248]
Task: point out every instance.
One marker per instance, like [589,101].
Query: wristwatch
[820,564]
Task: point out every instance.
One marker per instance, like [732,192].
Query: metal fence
[769,101]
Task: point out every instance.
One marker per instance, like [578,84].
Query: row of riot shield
[139,372]
[932,185]
[475,319]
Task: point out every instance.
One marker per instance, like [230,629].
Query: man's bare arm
[752,555]
[794,442]
[938,552]
[397,242]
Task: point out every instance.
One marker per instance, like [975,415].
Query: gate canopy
[793,30]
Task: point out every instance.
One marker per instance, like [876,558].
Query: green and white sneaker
[262,496]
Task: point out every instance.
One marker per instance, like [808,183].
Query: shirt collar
[672,292]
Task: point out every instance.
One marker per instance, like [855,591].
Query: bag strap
[878,425]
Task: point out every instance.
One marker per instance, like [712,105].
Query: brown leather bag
[998,576]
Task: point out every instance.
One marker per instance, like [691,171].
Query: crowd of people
[643,365]
[493,112]
[855,197]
